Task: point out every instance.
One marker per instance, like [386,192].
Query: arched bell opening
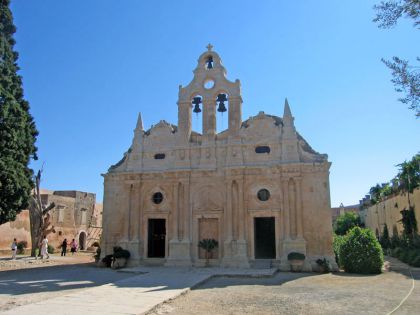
[222,109]
[209,62]
[197,113]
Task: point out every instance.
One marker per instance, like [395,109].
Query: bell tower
[209,92]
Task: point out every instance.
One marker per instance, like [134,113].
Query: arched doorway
[82,240]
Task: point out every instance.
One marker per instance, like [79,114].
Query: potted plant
[323,265]
[208,244]
[120,257]
[296,261]
[107,261]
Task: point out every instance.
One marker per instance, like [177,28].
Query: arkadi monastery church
[258,187]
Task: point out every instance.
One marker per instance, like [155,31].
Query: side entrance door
[264,238]
[156,238]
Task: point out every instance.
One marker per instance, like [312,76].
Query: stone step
[261,264]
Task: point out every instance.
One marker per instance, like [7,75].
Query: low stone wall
[388,212]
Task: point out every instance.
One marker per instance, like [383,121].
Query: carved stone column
[134,243]
[175,212]
[128,187]
[286,207]
[179,249]
[235,114]
[209,117]
[235,250]
[299,218]
[184,119]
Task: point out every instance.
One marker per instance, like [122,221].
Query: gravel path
[289,293]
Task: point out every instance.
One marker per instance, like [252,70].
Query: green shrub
[107,260]
[384,239]
[324,264]
[119,252]
[403,256]
[21,247]
[361,252]
[51,249]
[396,252]
[416,261]
[411,255]
[338,241]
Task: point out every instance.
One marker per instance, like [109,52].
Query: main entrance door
[264,238]
[156,238]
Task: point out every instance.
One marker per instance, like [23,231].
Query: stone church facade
[257,187]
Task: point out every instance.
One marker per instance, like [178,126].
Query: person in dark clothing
[64,247]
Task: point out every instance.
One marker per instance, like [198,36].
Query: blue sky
[89,67]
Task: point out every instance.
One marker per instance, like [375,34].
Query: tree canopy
[345,222]
[17,128]
[406,78]
[406,180]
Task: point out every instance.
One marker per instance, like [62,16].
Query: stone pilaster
[235,114]
[209,118]
[235,250]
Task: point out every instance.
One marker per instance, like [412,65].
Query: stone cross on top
[209,47]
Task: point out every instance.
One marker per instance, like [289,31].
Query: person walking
[64,247]
[44,248]
[73,246]
[14,249]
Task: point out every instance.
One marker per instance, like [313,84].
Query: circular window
[157,198]
[263,194]
[209,84]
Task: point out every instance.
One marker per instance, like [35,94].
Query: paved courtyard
[85,289]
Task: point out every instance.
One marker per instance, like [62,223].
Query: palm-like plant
[208,244]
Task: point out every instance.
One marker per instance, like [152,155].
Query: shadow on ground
[56,278]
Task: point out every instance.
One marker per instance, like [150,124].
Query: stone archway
[82,240]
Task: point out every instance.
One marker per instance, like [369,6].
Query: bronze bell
[210,62]
[197,109]
[221,98]
[196,102]
[221,108]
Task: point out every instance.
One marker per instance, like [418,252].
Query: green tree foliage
[406,78]
[385,240]
[409,222]
[407,179]
[17,128]
[345,222]
[361,252]
[337,242]
[409,174]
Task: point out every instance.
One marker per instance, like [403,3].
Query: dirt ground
[291,293]
[25,261]
[31,281]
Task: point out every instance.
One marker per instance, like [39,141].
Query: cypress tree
[17,129]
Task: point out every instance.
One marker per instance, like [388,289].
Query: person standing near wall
[73,246]
[64,247]
[44,248]
[14,249]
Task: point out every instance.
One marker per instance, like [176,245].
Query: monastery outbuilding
[257,187]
